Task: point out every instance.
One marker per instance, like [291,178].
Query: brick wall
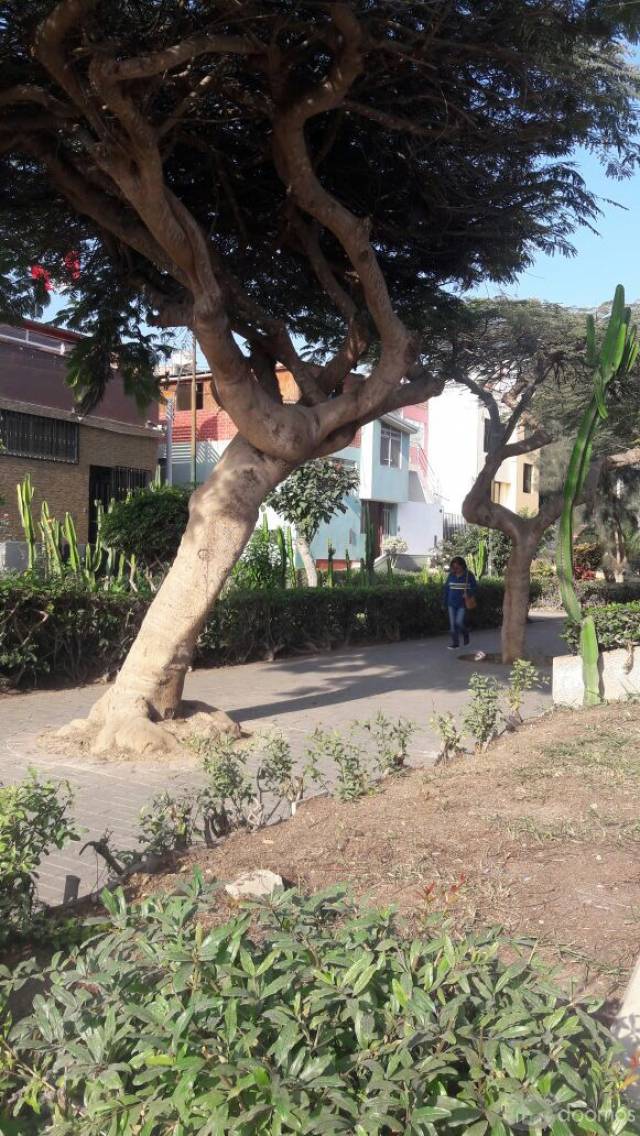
[65,486]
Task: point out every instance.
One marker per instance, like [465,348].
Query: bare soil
[540,835]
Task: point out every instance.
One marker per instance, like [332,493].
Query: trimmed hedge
[591,592]
[59,631]
[617,625]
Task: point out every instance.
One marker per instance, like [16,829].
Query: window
[390,447]
[183,395]
[34,436]
[527,478]
[497,492]
[388,520]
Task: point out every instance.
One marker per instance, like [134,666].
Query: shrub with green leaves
[391,740]
[483,712]
[451,745]
[349,759]
[148,525]
[522,677]
[617,625]
[323,1022]
[168,823]
[33,821]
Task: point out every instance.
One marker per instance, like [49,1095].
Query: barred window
[390,447]
[34,436]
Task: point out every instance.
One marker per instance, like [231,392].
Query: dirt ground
[540,835]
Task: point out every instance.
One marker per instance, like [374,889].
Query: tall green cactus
[369,550]
[347,566]
[71,537]
[282,553]
[291,558]
[25,493]
[617,355]
[51,541]
[330,573]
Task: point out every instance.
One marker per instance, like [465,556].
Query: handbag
[469,601]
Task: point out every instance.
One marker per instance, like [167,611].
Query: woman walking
[459,595]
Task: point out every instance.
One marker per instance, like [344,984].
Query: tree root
[126,729]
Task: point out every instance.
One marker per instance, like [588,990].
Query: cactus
[282,552]
[25,492]
[330,555]
[369,550]
[50,529]
[617,355]
[70,535]
[291,558]
[348,571]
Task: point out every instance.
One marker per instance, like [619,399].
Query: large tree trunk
[309,564]
[222,516]
[517,582]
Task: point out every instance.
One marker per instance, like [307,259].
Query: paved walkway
[409,679]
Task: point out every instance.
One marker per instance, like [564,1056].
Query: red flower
[72,265]
[38,272]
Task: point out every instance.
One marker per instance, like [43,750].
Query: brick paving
[410,679]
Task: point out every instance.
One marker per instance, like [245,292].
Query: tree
[261,171]
[526,363]
[311,495]
[148,525]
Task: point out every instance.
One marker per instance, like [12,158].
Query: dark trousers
[458,624]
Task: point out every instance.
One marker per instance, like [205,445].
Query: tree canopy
[314,493]
[269,170]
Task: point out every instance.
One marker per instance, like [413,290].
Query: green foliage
[87,634]
[392,742]
[61,628]
[260,565]
[483,712]
[324,1021]
[480,547]
[314,493]
[450,737]
[149,524]
[368,563]
[614,357]
[617,625]
[33,821]
[523,676]
[347,755]
[168,823]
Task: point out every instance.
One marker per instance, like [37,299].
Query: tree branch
[155,63]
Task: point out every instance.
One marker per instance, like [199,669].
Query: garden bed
[540,835]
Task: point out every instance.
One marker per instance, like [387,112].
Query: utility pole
[194,413]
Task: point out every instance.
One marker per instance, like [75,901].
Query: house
[388,453]
[74,461]
[459,434]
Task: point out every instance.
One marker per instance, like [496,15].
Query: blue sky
[603,259]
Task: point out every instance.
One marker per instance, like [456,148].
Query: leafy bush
[33,821]
[483,712]
[591,592]
[322,1022]
[617,625]
[468,542]
[63,629]
[261,564]
[522,677]
[60,628]
[148,525]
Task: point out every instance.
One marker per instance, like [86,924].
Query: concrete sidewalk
[409,679]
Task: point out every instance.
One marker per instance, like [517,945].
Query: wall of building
[65,485]
[384,482]
[456,435]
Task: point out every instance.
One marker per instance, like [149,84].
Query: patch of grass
[611,754]
[592,828]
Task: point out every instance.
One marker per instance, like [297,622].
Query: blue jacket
[455,588]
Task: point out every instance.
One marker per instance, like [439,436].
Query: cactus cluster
[613,359]
[98,566]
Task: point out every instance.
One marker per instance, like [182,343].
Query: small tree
[313,494]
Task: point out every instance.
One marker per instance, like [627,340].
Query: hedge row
[617,625]
[591,592]
[62,632]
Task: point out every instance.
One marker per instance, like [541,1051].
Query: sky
[603,259]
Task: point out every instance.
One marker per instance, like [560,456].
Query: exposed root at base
[129,733]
